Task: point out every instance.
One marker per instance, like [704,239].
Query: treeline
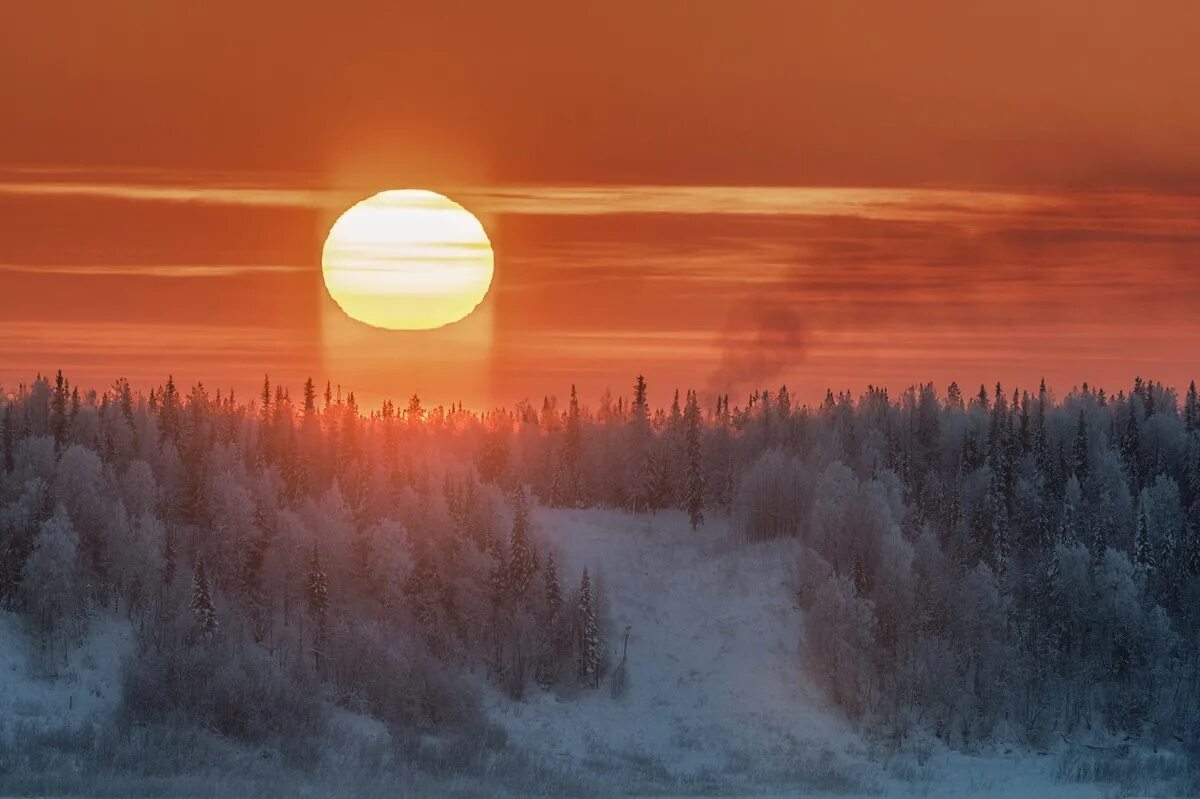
[278,558]
[1012,565]
[1006,566]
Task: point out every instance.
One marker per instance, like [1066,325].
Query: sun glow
[407,260]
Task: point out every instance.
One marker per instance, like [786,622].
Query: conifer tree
[168,412]
[640,408]
[1130,446]
[170,557]
[982,398]
[553,589]
[1041,439]
[58,410]
[8,431]
[520,558]
[264,407]
[694,471]
[1067,521]
[1079,449]
[1099,540]
[998,543]
[204,614]
[499,575]
[588,656]
[1023,432]
[1191,409]
[250,577]
[573,440]
[124,396]
[414,413]
[317,597]
[310,401]
[1143,552]
[558,484]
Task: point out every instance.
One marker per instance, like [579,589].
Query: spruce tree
[1191,409]
[553,589]
[1023,432]
[1143,552]
[694,471]
[1041,439]
[499,575]
[58,410]
[982,398]
[8,431]
[998,543]
[250,577]
[1079,449]
[573,439]
[640,407]
[310,401]
[588,656]
[264,409]
[520,558]
[204,614]
[170,557]
[558,484]
[1099,543]
[168,413]
[124,396]
[1130,447]
[317,598]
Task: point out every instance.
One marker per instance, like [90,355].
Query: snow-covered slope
[713,671]
[65,691]
[717,696]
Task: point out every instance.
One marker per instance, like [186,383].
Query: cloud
[150,270]
[210,195]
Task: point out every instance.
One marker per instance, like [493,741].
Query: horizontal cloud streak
[151,270]
[1063,209]
[210,195]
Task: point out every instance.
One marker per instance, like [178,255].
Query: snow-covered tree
[553,596]
[588,645]
[50,581]
[204,613]
[520,551]
[694,469]
[316,596]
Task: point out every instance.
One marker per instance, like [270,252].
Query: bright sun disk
[407,259]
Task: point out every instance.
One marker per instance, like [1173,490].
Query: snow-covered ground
[717,696]
[66,691]
[717,700]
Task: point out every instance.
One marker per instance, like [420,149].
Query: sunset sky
[718,195]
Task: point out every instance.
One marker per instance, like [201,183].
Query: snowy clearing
[717,697]
[67,691]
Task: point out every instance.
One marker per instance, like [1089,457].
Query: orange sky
[716,194]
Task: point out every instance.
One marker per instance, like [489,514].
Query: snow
[716,686]
[717,699]
[70,691]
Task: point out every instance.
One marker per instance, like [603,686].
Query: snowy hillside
[64,692]
[717,698]
[717,702]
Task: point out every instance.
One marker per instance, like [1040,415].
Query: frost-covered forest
[1012,567]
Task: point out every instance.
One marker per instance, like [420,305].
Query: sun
[407,259]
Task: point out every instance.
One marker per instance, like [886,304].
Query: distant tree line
[1006,565]
[273,553]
